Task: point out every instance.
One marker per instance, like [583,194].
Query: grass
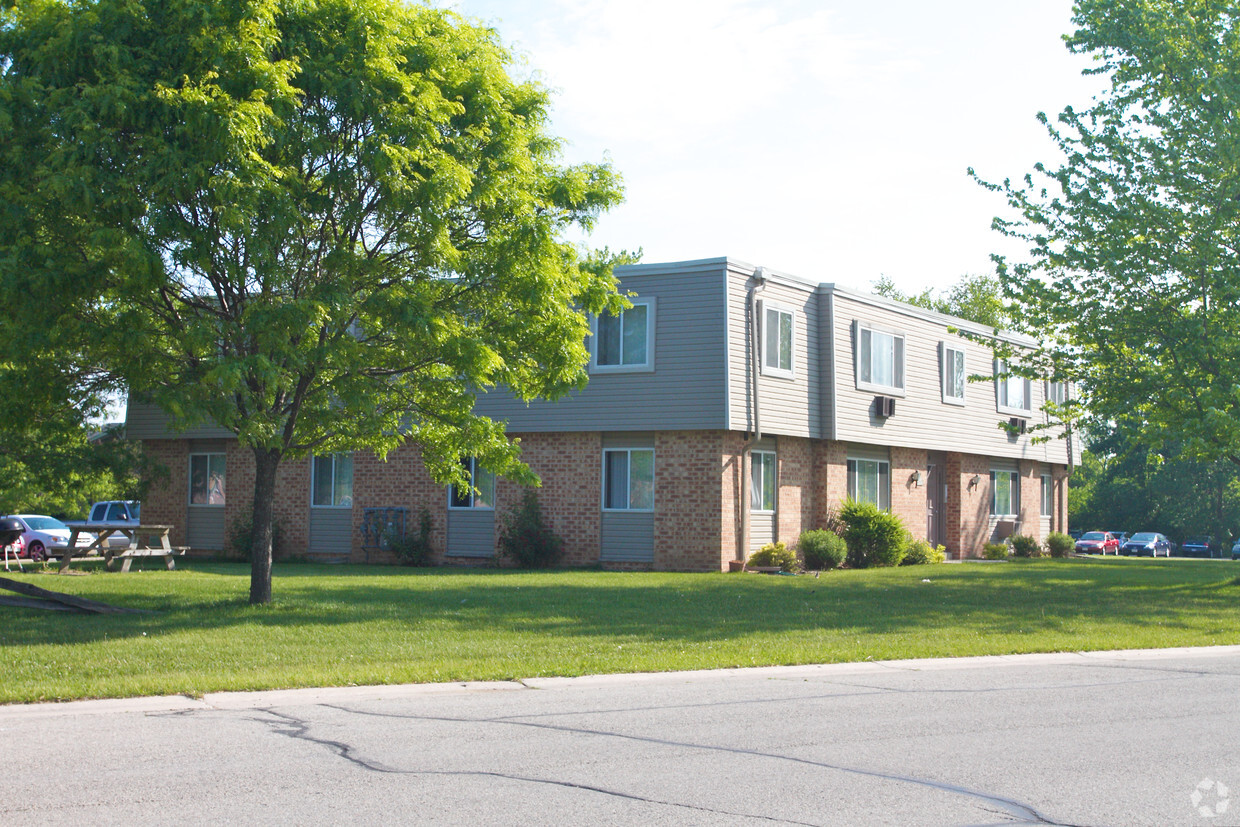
[331,626]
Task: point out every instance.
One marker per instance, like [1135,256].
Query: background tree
[977,297]
[323,225]
[1133,271]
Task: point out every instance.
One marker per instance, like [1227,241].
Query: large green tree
[324,225]
[1133,269]
[976,297]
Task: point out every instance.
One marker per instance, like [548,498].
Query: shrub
[413,549]
[874,538]
[241,536]
[995,551]
[1025,546]
[775,554]
[1059,544]
[822,549]
[524,537]
[921,553]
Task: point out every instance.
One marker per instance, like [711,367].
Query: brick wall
[908,498]
[796,506]
[688,495]
[570,467]
[1031,498]
[166,500]
[399,481]
[830,478]
[730,476]
[968,509]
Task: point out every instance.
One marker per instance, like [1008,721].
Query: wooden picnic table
[156,537]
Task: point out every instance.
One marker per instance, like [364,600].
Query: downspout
[759,279]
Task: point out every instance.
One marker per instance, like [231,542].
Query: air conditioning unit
[884,406]
[1018,424]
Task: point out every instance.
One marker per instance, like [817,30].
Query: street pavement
[1104,738]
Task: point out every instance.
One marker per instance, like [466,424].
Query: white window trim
[771,370]
[1001,380]
[1048,489]
[473,470]
[944,375]
[852,493]
[1015,492]
[189,482]
[651,305]
[313,471]
[772,455]
[603,479]
[885,390]
[1047,391]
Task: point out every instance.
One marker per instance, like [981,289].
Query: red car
[1097,542]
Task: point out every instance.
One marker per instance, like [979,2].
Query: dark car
[1097,542]
[1235,551]
[1201,545]
[1121,537]
[1147,544]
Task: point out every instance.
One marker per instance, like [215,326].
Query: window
[1057,392]
[626,341]
[1014,392]
[333,481]
[481,490]
[880,361]
[762,486]
[1004,493]
[778,325]
[869,481]
[206,479]
[1048,496]
[628,479]
[953,375]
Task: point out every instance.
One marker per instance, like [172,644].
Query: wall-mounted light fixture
[915,479]
[974,481]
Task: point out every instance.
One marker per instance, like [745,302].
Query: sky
[830,140]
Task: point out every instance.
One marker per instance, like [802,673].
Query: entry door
[934,503]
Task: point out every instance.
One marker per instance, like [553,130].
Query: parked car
[114,512]
[1097,542]
[1121,537]
[1147,543]
[1075,533]
[1201,545]
[1235,551]
[43,535]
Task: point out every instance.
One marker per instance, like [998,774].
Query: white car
[43,535]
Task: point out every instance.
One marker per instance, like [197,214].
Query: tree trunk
[266,461]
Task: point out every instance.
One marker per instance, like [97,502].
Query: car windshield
[1144,537]
[1196,541]
[135,509]
[45,524]
[1093,535]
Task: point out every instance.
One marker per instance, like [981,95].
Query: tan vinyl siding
[922,419]
[761,530]
[204,527]
[331,530]
[471,532]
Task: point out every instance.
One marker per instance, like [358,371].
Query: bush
[1025,546]
[413,549]
[241,536]
[1059,544]
[874,538]
[995,551]
[921,553]
[525,539]
[822,549]
[775,554]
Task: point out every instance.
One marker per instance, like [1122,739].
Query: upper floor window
[480,493]
[628,479]
[1004,493]
[1014,392]
[778,326]
[333,481]
[880,360]
[762,481]
[206,479]
[953,374]
[625,342]
[869,481]
[1057,392]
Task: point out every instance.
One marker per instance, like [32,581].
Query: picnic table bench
[156,545]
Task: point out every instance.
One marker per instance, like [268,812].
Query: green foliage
[1059,544]
[874,538]
[240,540]
[413,549]
[822,549]
[921,553]
[775,554]
[976,297]
[996,551]
[322,226]
[1133,271]
[1025,546]
[525,539]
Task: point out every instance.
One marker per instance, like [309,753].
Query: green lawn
[370,625]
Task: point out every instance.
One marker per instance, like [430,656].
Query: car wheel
[36,551]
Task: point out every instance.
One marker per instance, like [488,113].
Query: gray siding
[627,536]
[471,532]
[143,421]
[331,530]
[687,388]
[204,527]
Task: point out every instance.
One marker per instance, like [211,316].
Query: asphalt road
[1123,738]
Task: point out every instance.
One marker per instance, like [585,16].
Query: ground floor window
[206,479]
[1004,493]
[1048,496]
[762,481]
[333,481]
[628,479]
[480,493]
[869,481]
